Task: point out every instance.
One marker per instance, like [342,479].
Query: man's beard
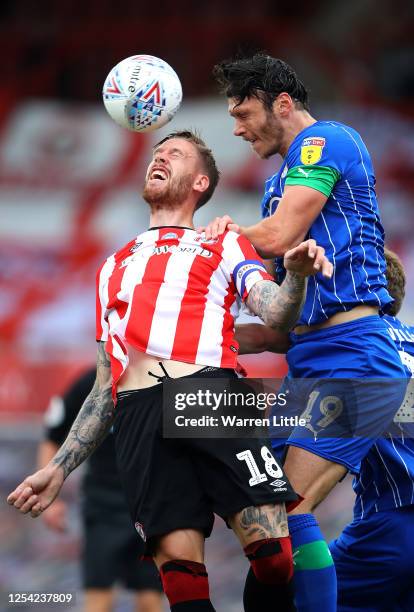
[169,198]
[274,129]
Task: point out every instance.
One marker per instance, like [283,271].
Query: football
[142,93]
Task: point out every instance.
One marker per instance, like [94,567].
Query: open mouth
[158,174]
[250,141]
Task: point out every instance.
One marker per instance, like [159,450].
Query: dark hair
[396,280]
[206,156]
[262,76]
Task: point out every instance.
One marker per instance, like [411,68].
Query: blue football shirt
[386,478]
[332,158]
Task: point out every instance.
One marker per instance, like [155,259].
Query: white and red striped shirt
[171,294]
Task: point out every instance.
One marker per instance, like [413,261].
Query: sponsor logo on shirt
[186,250]
[168,248]
[311,150]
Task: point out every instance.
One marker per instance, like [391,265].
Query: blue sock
[314,578]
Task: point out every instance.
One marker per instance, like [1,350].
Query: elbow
[283,327]
[282,324]
[278,325]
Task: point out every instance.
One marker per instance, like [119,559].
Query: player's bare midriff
[136,375]
[339,317]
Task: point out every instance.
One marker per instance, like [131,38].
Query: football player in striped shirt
[166,304]
[324,189]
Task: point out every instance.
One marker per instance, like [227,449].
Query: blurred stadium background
[70,182]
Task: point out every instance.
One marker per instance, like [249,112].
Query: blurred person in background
[166,304]
[325,190]
[111,551]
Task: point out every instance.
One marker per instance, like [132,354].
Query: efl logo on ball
[142,93]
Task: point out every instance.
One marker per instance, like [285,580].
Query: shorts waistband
[206,372]
[365,323]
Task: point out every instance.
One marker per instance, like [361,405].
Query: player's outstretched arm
[280,307]
[92,424]
[55,516]
[287,227]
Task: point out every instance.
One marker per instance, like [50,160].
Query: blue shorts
[348,380]
[374,563]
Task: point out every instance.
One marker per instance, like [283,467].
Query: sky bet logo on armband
[311,150]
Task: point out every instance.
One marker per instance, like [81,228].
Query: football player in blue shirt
[373,560]
[373,555]
[325,189]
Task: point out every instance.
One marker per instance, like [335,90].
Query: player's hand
[37,491]
[308,259]
[219,226]
[55,517]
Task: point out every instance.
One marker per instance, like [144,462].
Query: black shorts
[180,483]
[112,553]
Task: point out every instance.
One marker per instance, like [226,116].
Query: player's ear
[201,183]
[283,104]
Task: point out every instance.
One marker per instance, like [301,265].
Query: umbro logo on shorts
[278,484]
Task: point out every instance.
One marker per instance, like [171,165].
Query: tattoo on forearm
[278,307]
[102,358]
[93,421]
[268,521]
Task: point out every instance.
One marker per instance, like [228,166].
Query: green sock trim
[315,555]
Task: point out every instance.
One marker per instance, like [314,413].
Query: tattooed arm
[93,421]
[92,424]
[279,307]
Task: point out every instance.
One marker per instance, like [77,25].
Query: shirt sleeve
[321,159]
[321,178]
[244,263]
[102,328]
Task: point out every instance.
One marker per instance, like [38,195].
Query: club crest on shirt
[311,150]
